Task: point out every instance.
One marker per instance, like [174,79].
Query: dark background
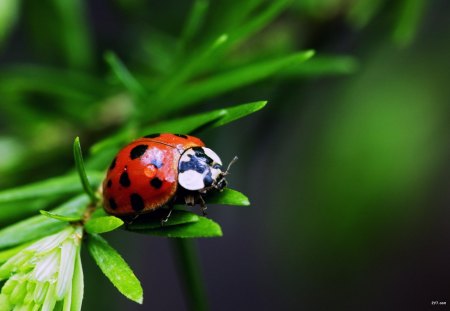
[348,174]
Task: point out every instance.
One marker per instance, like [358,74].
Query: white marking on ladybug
[199,168]
[191,180]
[213,156]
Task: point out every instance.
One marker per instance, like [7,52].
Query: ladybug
[160,170]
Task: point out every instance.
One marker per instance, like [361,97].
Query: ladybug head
[200,169]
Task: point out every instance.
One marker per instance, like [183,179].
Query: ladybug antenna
[229,165]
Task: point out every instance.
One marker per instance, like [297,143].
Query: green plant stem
[81,170]
[187,260]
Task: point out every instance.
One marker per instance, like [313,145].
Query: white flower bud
[41,275]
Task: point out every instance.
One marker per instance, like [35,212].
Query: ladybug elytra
[160,170]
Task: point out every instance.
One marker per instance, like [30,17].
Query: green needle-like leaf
[124,75]
[50,187]
[323,65]
[189,125]
[81,170]
[228,197]
[194,21]
[61,217]
[39,226]
[362,12]
[9,11]
[190,68]
[8,253]
[233,79]
[153,220]
[408,21]
[237,112]
[115,268]
[195,123]
[74,85]
[77,48]
[77,285]
[203,228]
[103,224]
[99,212]
[259,20]
[18,210]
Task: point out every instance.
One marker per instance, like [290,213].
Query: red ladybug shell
[143,176]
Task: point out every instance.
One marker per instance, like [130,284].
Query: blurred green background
[346,168]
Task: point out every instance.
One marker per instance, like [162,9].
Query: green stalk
[187,261]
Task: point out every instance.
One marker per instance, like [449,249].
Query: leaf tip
[245,202]
[308,54]
[139,299]
[108,55]
[262,104]
[222,39]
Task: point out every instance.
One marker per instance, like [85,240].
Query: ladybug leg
[165,219]
[189,200]
[130,220]
[202,204]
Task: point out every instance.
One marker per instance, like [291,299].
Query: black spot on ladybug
[124,180]
[181,135]
[109,184]
[137,203]
[157,163]
[152,135]
[156,183]
[112,203]
[198,149]
[138,151]
[113,164]
[200,153]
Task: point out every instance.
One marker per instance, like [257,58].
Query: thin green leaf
[122,135]
[115,268]
[203,228]
[233,79]
[323,65]
[159,51]
[153,220]
[410,14]
[228,197]
[99,212]
[18,210]
[187,124]
[8,253]
[125,76]
[237,112]
[190,273]
[362,12]
[39,226]
[196,123]
[258,21]
[231,16]
[69,84]
[61,217]
[81,170]
[103,224]
[194,21]
[77,285]
[50,187]
[190,68]
[74,33]
[9,10]
[190,124]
